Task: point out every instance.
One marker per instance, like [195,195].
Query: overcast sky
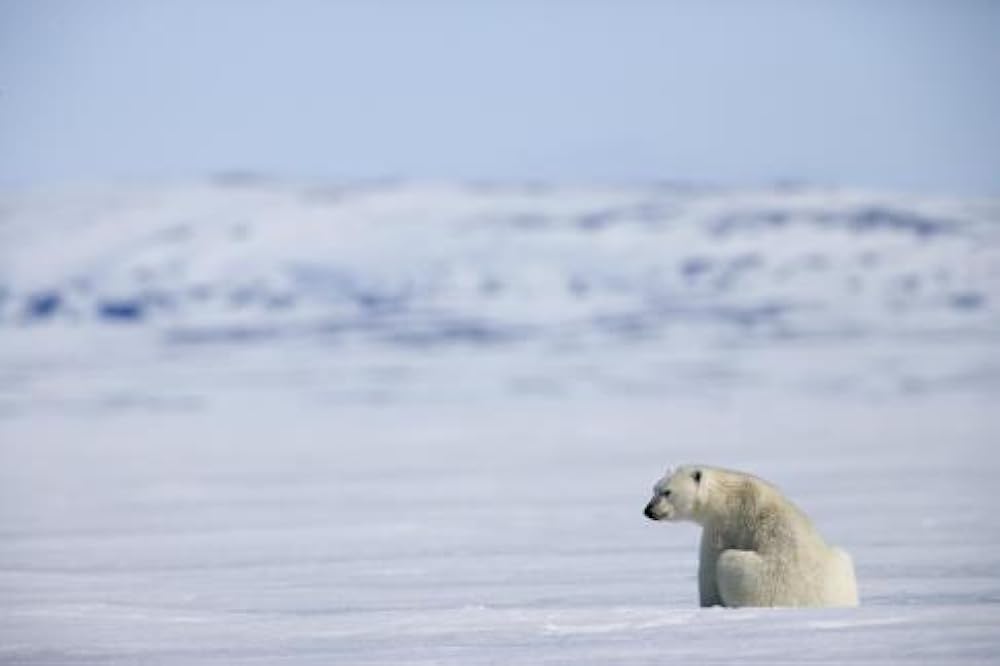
[900,95]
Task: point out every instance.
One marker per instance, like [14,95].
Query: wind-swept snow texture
[275,424]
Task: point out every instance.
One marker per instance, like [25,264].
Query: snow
[418,423]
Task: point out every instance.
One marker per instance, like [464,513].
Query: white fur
[757,548]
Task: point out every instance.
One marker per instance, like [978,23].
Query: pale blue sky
[878,93]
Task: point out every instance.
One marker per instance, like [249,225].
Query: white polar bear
[757,548]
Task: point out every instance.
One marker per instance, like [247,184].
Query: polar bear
[757,548]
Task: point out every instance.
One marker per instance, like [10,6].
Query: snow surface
[264,423]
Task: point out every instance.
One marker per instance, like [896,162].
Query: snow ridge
[430,264]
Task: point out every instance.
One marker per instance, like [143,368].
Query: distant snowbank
[441,264]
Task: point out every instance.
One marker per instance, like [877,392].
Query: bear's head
[677,495]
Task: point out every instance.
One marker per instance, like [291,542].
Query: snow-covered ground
[251,422]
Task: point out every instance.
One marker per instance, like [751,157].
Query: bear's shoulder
[748,499]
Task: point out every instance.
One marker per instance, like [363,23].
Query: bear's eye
[697,476]
[665,493]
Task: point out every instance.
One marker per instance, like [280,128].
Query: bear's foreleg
[708,588]
[708,585]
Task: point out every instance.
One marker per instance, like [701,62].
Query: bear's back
[757,515]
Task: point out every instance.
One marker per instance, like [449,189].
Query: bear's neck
[725,498]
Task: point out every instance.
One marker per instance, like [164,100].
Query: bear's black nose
[648,511]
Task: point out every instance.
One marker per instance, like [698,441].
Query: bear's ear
[696,476]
